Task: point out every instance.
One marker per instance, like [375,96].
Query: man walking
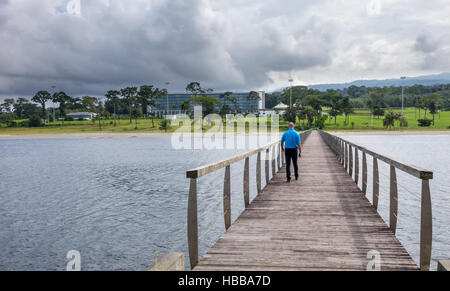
[291,144]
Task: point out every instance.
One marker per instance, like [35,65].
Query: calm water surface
[120,201]
[116,201]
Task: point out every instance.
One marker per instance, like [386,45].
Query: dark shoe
[296,178]
[288,181]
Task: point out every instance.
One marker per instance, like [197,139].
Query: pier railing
[272,154]
[348,156]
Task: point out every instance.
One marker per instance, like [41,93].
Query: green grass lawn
[123,126]
[361,120]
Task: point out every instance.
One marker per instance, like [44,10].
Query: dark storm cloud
[226,45]
[425,44]
[118,43]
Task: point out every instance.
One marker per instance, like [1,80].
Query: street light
[403,93]
[167,96]
[53,104]
[290,100]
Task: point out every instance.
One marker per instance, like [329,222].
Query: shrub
[425,122]
[35,121]
[165,125]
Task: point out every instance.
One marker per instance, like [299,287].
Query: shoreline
[109,135]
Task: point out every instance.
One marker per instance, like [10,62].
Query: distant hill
[427,80]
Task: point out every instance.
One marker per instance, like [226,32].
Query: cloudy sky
[226,45]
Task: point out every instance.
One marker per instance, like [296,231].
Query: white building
[82,115]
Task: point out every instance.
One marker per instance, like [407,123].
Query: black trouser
[291,154]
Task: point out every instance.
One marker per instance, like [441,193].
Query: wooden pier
[323,221]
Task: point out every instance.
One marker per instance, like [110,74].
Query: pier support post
[376,184]
[364,182]
[393,205]
[346,156]
[192,224]
[227,198]
[426,227]
[274,166]
[350,155]
[258,173]
[280,164]
[267,166]
[356,166]
[246,182]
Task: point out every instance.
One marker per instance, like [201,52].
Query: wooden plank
[321,222]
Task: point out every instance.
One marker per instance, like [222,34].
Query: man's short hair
[292,124]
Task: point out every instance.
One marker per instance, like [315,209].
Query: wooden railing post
[192,224]
[426,227]
[280,164]
[364,181]
[393,205]
[346,156]
[274,169]
[247,182]
[267,166]
[227,198]
[258,173]
[356,166]
[376,183]
[350,155]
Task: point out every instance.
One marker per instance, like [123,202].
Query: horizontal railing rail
[277,159]
[348,155]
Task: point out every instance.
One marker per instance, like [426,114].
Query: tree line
[131,101]
[308,103]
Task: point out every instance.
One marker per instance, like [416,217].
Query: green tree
[19,107]
[35,121]
[208,103]
[389,119]
[61,98]
[335,102]
[113,97]
[376,102]
[195,89]
[431,102]
[42,97]
[147,96]
[94,105]
[310,114]
[227,98]
[253,98]
[347,108]
[130,94]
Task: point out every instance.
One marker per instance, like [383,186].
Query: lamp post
[403,94]
[290,100]
[53,104]
[167,97]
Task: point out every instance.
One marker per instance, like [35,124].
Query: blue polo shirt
[291,138]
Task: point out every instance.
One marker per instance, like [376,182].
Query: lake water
[116,201]
[120,201]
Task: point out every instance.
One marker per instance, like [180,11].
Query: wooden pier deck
[321,222]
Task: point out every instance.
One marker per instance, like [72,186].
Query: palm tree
[389,119]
